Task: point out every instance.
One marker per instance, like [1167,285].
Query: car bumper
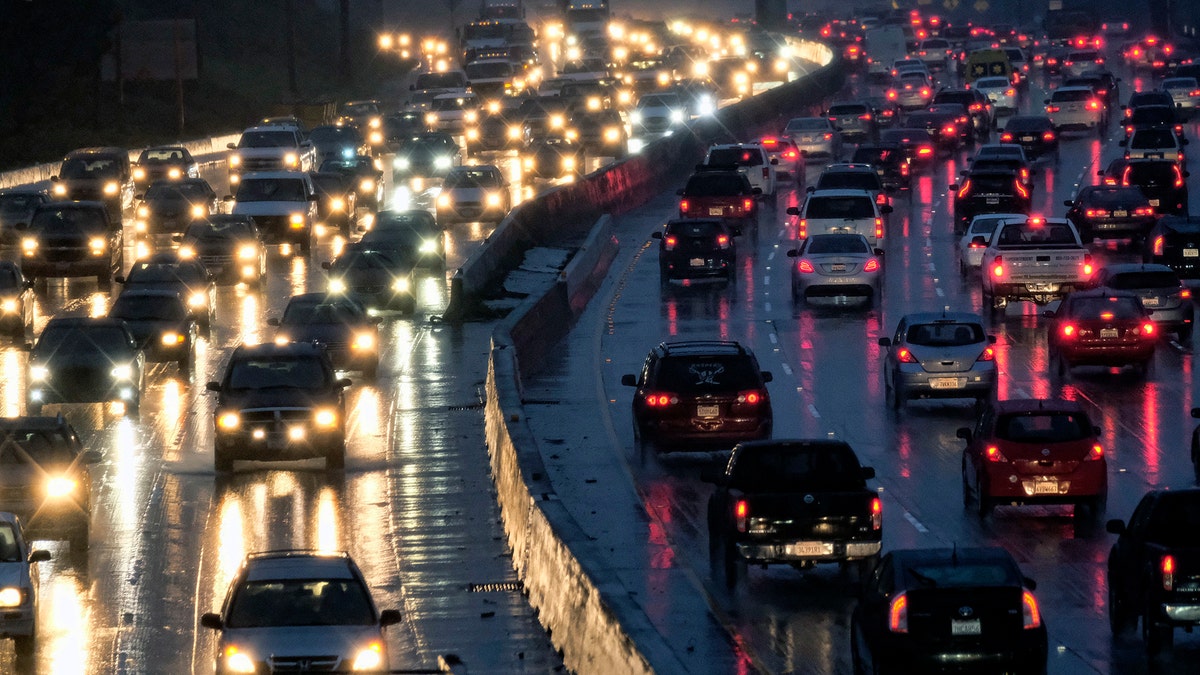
[968,384]
[705,432]
[1069,121]
[1117,228]
[808,550]
[1107,355]
[697,268]
[815,149]
[834,288]
[902,655]
[1181,610]
[125,391]
[16,622]
[1005,484]
[1040,292]
[277,445]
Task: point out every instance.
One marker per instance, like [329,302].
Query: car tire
[335,458]
[962,269]
[1119,618]
[733,566]
[133,407]
[966,486]
[1158,638]
[371,371]
[865,567]
[24,646]
[983,504]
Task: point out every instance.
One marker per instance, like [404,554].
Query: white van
[841,211]
[884,45]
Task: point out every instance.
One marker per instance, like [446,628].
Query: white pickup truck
[270,148]
[1035,258]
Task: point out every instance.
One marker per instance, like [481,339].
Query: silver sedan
[815,136]
[837,268]
[939,355]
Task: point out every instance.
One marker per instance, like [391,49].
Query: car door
[972,454]
[1129,552]
[870,615]
[897,340]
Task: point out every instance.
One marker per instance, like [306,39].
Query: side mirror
[767,376]
[325,265]
[810,188]
[1068,203]
[90,457]
[27,284]
[757,190]
[375,320]
[1048,313]
[273,321]
[412,87]
[1029,583]
[964,433]
[120,278]
[54,179]
[1196,413]
[1186,141]
[1100,172]
[793,210]
[177,238]
[39,556]
[314,197]
[342,382]
[27,347]
[231,146]
[1096,430]
[792,253]
[713,474]
[885,342]
[886,209]
[774,162]
[1115,526]
[963,172]
[227,198]
[629,380]
[868,472]
[212,386]
[211,620]
[1186,174]
[656,235]
[141,196]
[390,617]
[21,227]
[1046,101]
[735,230]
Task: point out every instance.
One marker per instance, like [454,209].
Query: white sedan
[977,237]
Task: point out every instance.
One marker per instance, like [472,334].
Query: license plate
[809,548]
[965,627]
[944,383]
[697,262]
[1150,302]
[708,411]
[1045,487]
[1154,202]
[716,211]
[1027,139]
[1191,252]
[1154,155]
[838,267]
[1120,213]
[993,200]
[1109,333]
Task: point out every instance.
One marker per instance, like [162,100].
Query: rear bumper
[687,431]
[1039,292]
[1108,355]
[1090,479]
[788,551]
[971,384]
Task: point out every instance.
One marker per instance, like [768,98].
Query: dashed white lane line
[767,306]
[766,281]
[1020,393]
[787,369]
[915,523]
[771,256]
[773,338]
[932,267]
[940,292]
[812,410]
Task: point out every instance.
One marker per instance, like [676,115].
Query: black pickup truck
[795,502]
[1154,568]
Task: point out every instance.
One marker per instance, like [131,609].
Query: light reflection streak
[127,476]
[299,275]
[172,406]
[65,639]
[10,388]
[98,305]
[327,525]
[249,322]
[231,543]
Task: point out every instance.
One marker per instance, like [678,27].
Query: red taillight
[1185,293]
[898,614]
[1158,245]
[905,356]
[802,229]
[948,130]
[1006,137]
[881,199]
[1088,268]
[1096,452]
[669,242]
[1052,108]
[872,265]
[660,400]
[723,240]
[1167,567]
[747,205]
[924,150]
[1178,177]
[1147,329]
[876,514]
[833,119]
[1143,211]
[1021,191]
[770,143]
[891,94]
[994,455]
[879,228]
[751,397]
[866,117]
[829,137]
[975,244]
[741,514]
[964,189]
[1068,331]
[805,267]
[790,154]
[1048,136]
[974,107]
[925,92]
[989,354]
[683,206]
[1010,92]
[1031,616]
[904,169]
[1093,105]
[998,267]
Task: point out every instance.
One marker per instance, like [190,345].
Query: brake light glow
[1053,108]
[1068,331]
[1143,211]
[802,229]
[1167,567]
[891,94]
[1031,615]
[790,154]
[994,455]
[747,205]
[1178,177]
[683,206]
[1048,136]
[669,242]
[829,137]
[905,356]
[1088,268]
[1158,245]
[876,513]
[1096,452]
[1185,293]
[898,614]
[964,189]
[1147,329]
[879,228]
[989,354]
[866,117]
[741,514]
[948,130]
[1010,92]
[1093,104]
[1021,190]
[751,397]
[872,265]
[805,267]
[1006,137]
[998,267]
[660,400]
[924,150]
[723,240]
[925,92]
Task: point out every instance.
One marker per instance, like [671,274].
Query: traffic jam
[227,384]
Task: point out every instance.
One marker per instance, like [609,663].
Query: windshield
[808,124]
[1043,427]
[944,334]
[660,101]
[189,192]
[793,469]
[449,80]
[707,374]
[848,109]
[358,108]
[68,218]
[300,602]
[271,190]
[1107,308]
[75,339]
[9,550]
[149,273]
[162,155]
[848,180]
[136,307]
[1130,281]
[267,139]
[300,313]
[488,69]
[1029,124]
[292,372]
[839,207]
[695,228]
[1152,138]
[18,203]
[331,135]
[472,178]
[449,104]
[39,446]
[91,167]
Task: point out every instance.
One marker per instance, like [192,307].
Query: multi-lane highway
[827,366]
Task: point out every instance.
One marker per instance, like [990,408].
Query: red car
[1101,327]
[1035,451]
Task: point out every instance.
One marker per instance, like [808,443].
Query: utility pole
[344,39]
[289,10]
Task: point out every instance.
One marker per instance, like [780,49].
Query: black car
[85,360]
[553,158]
[934,610]
[378,281]
[988,192]
[851,176]
[693,394]
[1015,165]
[1152,117]
[797,502]
[336,141]
[72,239]
[96,174]
[1034,133]
[160,325]
[854,119]
[411,237]
[425,155]
[1111,212]
[337,202]
[187,277]
[978,106]
[1150,97]
[1163,181]
[16,208]
[887,113]
[890,163]
[1154,568]
[16,300]
[363,173]
[919,145]
[400,126]
[601,132]
[495,130]
[695,248]
[229,247]
[349,334]
[279,402]
[164,163]
[1104,82]
[45,477]
[171,206]
[943,127]
[1111,174]
[1174,241]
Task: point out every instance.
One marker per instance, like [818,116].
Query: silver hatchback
[836,268]
[939,355]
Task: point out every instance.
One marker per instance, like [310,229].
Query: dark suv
[85,360]
[72,239]
[890,163]
[988,192]
[719,192]
[96,174]
[699,393]
[978,105]
[1174,241]
[854,119]
[279,402]
[45,477]
[696,248]
[1163,182]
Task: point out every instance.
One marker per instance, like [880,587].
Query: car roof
[272,565]
[934,317]
[849,167]
[106,150]
[702,348]
[150,293]
[84,322]
[271,350]
[1022,405]
[34,422]
[1131,268]
[10,518]
[279,126]
[947,556]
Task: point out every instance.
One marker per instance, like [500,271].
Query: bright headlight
[291,159]
[375,138]
[337,286]
[143,211]
[636,117]
[612,135]
[111,187]
[29,245]
[174,173]
[171,338]
[60,486]
[557,121]
[197,300]
[594,103]
[676,116]
[186,252]
[235,160]
[248,252]
[9,306]
[229,420]
[296,220]
[12,597]
[568,162]
[139,173]
[431,119]
[400,285]
[367,185]
[337,204]
[282,339]
[428,246]
[442,162]
[375,123]
[706,106]
[494,199]
[325,418]
[237,661]
[370,658]
[528,163]
[470,117]
[347,153]
[122,372]
[365,341]
[444,200]
[98,245]
[38,373]
[199,211]
[472,134]
[401,163]
[514,131]
[60,190]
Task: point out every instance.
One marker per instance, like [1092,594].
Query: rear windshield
[1075,95]
[944,334]
[1175,521]
[876,155]
[840,207]
[808,124]
[969,574]
[695,228]
[992,184]
[1043,427]
[848,180]
[992,83]
[1115,195]
[704,374]
[1029,124]
[963,97]
[1152,138]
[738,156]
[838,243]
[716,184]
[1015,234]
[1150,171]
[1128,281]
[847,109]
[1107,308]
[793,469]
[440,80]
